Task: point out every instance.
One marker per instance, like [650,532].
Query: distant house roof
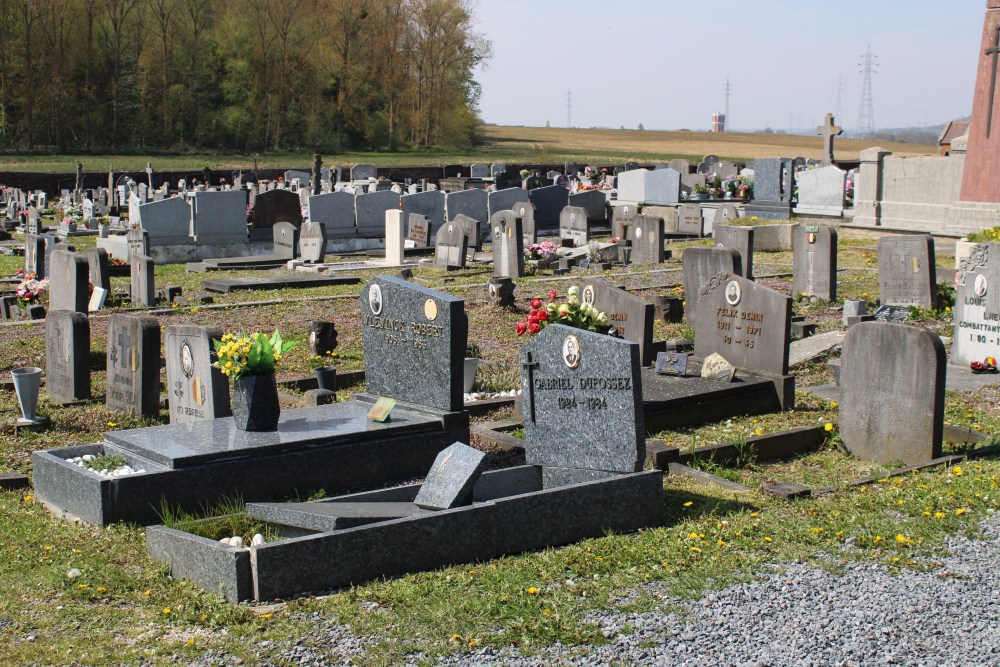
[952,129]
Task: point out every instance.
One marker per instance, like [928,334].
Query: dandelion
[688,504]
[834,405]
[112,424]
[266,616]
[190,641]
[961,510]
[546,612]
[767,538]
[721,543]
[532,591]
[828,427]
[102,589]
[166,611]
[758,431]
[473,643]
[696,550]
[903,539]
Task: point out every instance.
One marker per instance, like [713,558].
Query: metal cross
[529,367]
[995,52]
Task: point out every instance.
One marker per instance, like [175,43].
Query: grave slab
[226,285]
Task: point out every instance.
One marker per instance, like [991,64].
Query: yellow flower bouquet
[249,354]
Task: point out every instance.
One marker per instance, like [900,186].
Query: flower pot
[326,377]
[26,383]
[255,403]
[471,364]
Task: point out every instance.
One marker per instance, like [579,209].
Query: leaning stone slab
[450,480]
[892,383]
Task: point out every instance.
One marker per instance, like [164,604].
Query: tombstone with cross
[828,131]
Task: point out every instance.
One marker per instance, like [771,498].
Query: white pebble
[236,541]
[74,573]
[257,540]
[89,457]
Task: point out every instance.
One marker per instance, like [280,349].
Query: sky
[664,63]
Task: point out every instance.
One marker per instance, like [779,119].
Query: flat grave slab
[184,445]
[226,285]
[324,516]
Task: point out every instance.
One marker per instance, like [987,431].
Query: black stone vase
[255,403]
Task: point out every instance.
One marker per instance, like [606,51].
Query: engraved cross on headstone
[995,52]
[530,367]
[125,350]
[828,131]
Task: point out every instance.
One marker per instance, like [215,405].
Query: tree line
[246,75]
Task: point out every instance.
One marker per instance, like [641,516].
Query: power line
[728,92]
[866,112]
[569,107]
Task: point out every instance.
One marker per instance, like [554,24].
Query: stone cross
[828,131]
[995,52]
[149,174]
[317,173]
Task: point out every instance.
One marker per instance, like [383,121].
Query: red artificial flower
[520,328]
[536,303]
[534,328]
[532,319]
[552,294]
[543,315]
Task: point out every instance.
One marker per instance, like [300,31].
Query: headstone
[892,381]
[814,263]
[395,254]
[362,172]
[739,239]
[774,185]
[137,242]
[526,212]
[646,234]
[418,229]
[286,240]
[276,206]
[68,285]
[196,390]
[508,245]
[479,170]
[451,478]
[312,242]
[371,210]
[470,227]
[143,283]
[593,201]
[133,365]
[504,200]
[573,225]
[414,343]
[906,271]
[452,246]
[472,202]
[582,394]
[335,211]
[700,265]
[500,292]
[322,338]
[976,312]
[660,186]
[747,323]
[853,308]
[34,223]
[98,269]
[220,217]
[428,204]
[630,315]
[689,220]
[167,222]
[821,191]
[549,202]
[34,255]
[67,356]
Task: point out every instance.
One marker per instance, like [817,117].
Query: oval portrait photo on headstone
[187,359]
[588,295]
[571,351]
[733,293]
[979,287]
[375,299]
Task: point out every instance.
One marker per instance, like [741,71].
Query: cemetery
[351,411]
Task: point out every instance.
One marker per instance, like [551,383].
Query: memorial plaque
[67,356]
[976,312]
[582,394]
[906,272]
[137,241]
[573,225]
[196,390]
[622,217]
[414,343]
[747,323]
[892,393]
[418,230]
[689,220]
[450,480]
[133,365]
[286,240]
[672,363]
[814,263]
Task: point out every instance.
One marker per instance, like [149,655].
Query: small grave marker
[67,356]
[133,365]
[450,480]
[195,389]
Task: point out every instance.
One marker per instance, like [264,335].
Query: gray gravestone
[906,270]
[470,226]
[814,263]
[220,217]
[428,204]
[472,202]
[821,191]
[582,394]
[504,200]
[479,170]
[335,211]
[748,324]
[270,208]
[573,225]
[98,269]
[137,242]
[630,315]
[593,201]
[452,246]
[312,242]
[977,313]
[362,172]
[646,235]
[67,356]
[773,187]
[549,201]
[167,222]
[68,283]
[700,265]
[286,240]
[414,343]
[689,220]
[740,239]
[508,245]
[133,365]
[418,230]
[622,219]
[660,186]
[196,390]
[526,212]
[371,210]
[892,381]
[143,282]
[450,480]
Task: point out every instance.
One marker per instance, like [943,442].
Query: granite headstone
[700,265]
[68,285]
[195,388]
[508,245]
[451,478]
[814,263]
[67,356]
[133,365]
[630,315]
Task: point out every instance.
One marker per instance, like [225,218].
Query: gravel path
[795,614]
